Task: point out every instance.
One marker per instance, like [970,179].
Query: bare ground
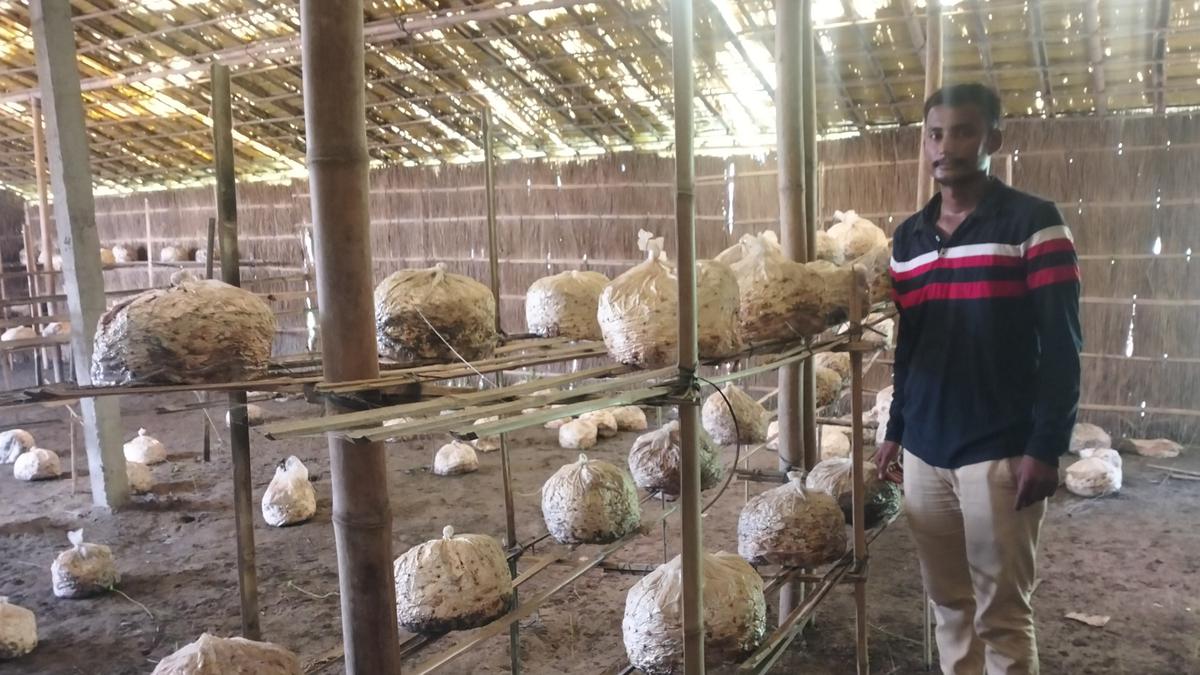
[1133,557]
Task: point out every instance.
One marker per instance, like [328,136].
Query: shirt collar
[988,205]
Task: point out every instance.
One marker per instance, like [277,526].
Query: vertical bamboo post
[332,54]
[79,243]
[510,536]
[239,427]
[933,80]
[31,286]
[39,165]
[812,196]
[210,248]
[149,244]
[689,418]
[792,199]
[489,173]
[858,521]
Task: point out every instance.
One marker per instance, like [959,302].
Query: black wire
[737,446]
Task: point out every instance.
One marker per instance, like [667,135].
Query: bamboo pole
[79,243]
[205,421]
[682,34]
[792,200]
[858,521]
[933,81]
[812,196]
[332,56]
[239,427]
[31,284]
[489,172]
[47,286]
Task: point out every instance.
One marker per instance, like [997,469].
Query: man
[986,377]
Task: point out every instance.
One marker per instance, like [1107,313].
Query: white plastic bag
[290,498]
[171,254]
[828,249]
[145,449]
[37,464]
[18,333]
[140,479]
[577,435]
[123,254]
[565,305]
[719,417]
[196,331]
[856,236]
[792,526]
[486,443]
[839,362]
[56,328]
[1163,448]
[639,310]
[13,442]
[835,440]
[417,312]
[229,656]
[835,477]
[779,299]
[630,418]
[604,421]
[457,582]
[654,461]
[1097,474]
[1086,435]
[829,386]
[18,630]
[455,458]
[84,569]
[590,502]
[735,614]
[255,416]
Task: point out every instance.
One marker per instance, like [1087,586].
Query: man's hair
[975,94]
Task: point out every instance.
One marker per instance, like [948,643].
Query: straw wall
[1121,183]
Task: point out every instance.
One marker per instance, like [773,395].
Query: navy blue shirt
[987,358]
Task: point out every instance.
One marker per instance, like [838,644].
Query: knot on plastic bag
[653,246]
[847,217]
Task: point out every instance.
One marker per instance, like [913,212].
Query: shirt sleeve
[1052,276]
[905,340]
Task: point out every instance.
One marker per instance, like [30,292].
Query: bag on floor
[145,449]
[434,316]
[792,526]
[565,305]
[1163,448]
[84,569]
[1097,474]
[1086,435]
[629,418]
[458,582]
[604,421]
[18,630]
[455,458]
[735,614]
[741,420]
[14,442]
[141,481]
[576,434]
[229,656]
[290,498]
[37,464]
[655,458]
[590,502]
[196,331]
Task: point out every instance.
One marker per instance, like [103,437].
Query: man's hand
[887,459]
[1036,480]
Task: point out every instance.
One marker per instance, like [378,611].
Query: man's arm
[887,458]
[1052,276]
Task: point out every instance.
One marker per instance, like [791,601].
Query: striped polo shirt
[987,359]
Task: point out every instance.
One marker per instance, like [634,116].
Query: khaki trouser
[977,561]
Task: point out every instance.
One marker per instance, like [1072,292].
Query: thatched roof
[567,78]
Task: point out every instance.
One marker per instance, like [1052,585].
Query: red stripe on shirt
[967,290]
[1052,275]
[1047,247]
[958,263]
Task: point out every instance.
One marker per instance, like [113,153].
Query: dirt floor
[1133,557]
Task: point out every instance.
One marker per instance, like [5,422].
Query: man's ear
[994,141]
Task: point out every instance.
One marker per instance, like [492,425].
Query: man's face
[958,143]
